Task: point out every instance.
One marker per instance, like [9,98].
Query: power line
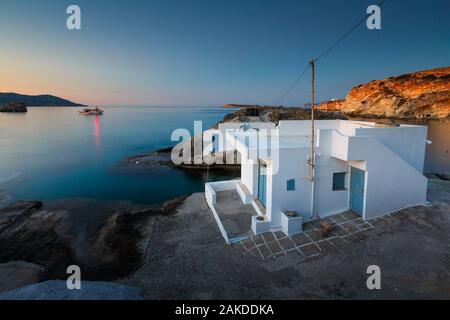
[334,45]
[292,86]
[328,50]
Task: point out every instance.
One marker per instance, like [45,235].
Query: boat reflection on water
[97,130]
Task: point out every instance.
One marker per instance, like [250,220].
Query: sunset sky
[207,53]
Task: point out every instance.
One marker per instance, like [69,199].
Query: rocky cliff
[423,94]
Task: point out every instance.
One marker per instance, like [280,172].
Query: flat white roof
[297,133]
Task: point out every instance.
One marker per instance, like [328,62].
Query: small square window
[339,181]
[291,185]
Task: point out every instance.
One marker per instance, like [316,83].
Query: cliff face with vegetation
[423,94]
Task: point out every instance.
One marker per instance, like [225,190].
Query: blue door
[357,178]
[262,183]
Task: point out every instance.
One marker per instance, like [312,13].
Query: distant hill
[37,101]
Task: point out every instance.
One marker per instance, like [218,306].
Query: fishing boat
[91,111]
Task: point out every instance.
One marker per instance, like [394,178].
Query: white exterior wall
[303,127]
[231,127]
[292,165]
[391,183]
[328,202]
[249,176]
[408,142]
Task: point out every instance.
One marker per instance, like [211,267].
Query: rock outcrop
[420,95]
[275,114]
[106,239]
[17,274]
[14,107]
[331,106]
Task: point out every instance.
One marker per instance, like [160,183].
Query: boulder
[11,212]
[17,274]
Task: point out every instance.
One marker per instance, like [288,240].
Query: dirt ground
[187,258]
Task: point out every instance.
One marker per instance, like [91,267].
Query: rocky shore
[162,157]
[38,241]
[14,107]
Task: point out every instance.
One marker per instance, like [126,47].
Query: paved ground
[187,258]
[236,217]
[347,226]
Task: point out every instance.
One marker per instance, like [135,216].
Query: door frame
[262,193]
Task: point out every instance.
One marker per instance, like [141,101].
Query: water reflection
[97,130]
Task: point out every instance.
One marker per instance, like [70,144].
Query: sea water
[55,153]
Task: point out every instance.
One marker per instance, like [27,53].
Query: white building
[215,141]
[368,168]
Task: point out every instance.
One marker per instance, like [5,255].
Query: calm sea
[55,153]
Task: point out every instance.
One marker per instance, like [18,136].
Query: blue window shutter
[339,181]
[291,185]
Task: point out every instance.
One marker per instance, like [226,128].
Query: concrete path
[236,217]
[347,227]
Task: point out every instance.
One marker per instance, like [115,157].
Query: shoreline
[105,238]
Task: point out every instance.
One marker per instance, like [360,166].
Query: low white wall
[249,176]
[210,194]
[211,188]
[222,185]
